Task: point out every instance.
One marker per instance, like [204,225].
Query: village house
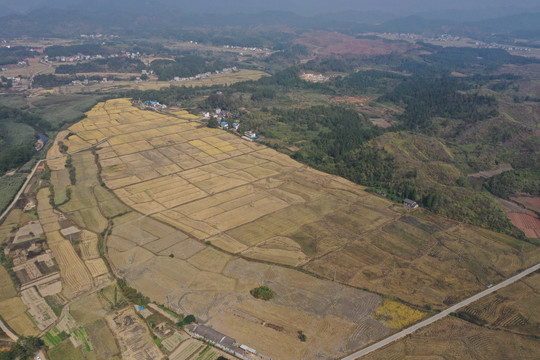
[410,203]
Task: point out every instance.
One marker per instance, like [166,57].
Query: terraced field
[514,308]
[214,216]
[478,334]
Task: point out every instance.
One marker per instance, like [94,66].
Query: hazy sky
[307,7]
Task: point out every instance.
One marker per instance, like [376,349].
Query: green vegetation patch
[132,294]
[64,351]
[262,292]
[54,337]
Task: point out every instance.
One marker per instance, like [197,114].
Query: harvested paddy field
[514,308]
[252,201]
[133,335]
[91,311]
[456,339]
[214,216]
[75,275]
[477,334]
[13,311]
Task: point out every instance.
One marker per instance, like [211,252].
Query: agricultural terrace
[249,200]
[478,335]
[204,203]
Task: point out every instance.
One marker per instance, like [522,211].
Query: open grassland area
[456,339]
[213,216]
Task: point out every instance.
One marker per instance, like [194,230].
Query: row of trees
[25,348]
[185,66]
[118,65]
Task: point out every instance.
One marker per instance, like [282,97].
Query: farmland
[10,184]
[13,311]
[477,333]
[76,277]
[133,336]
[138,242]
[206,204]
[455,339]
[248,200]
[215,79]
[514,309]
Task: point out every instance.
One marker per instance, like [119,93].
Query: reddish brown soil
[532,203]
[362,101]
[528,224]
[324,43]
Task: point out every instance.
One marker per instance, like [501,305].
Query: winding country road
[442,314]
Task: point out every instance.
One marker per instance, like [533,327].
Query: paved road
[28,178]
[8,331]
[441,315]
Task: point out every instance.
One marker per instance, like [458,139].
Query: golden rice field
[202,204]
[58,161]
[397,315]
[250,200]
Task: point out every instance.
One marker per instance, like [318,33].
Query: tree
[26,348]
[262,292]
[213,123]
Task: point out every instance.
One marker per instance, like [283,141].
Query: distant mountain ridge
[68,18]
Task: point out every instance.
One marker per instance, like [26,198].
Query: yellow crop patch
[397,315]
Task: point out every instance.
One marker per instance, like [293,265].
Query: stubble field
[215,216]
[503,325]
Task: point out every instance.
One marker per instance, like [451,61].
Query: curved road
[441,315]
